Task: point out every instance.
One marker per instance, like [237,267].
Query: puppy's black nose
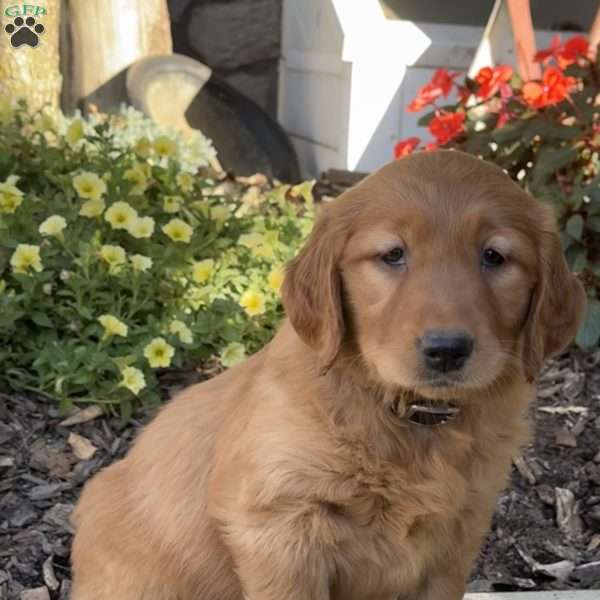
[446,350]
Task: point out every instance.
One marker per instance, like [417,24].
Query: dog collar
[428,415]
[431,416]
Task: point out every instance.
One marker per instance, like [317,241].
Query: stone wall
[239,39]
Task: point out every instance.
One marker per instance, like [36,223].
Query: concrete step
[568,595]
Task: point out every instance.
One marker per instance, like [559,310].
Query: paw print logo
[24,31]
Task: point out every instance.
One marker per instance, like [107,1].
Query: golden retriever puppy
[358,455]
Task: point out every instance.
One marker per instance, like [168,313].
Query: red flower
[406,147]
[490,80]
[565,54]
[554,88]
[440,85]
[574,48]
[544,56]
[445,126]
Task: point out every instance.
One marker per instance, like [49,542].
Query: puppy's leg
[278,560]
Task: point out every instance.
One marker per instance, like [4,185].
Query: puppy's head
[440,273]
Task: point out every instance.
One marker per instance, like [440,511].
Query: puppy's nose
[445,350]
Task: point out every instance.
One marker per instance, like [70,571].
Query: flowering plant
[545,134]
[116,261]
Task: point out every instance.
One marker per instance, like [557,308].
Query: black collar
[428,415]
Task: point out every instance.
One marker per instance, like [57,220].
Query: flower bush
[118,258]
[545,134]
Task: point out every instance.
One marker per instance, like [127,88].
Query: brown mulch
[545,535]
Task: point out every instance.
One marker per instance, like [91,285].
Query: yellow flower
[253,302]
[53,226]
[143,146]
[233,354]
[74,132]
[178,231]
[265,251]
[121,215]
[10,195]
[164,146]
[141,227]
[172,204]
[305,190]
[112,326]
[203,270]
[5,109]
[275,279]
[180,329]
[159,353]
[138,175]
[92,208]
[114,255]
[139,262]
[89,185]
[220,213]
[26,257]
[185,181]
[133,380]
[45,121]
[251,240]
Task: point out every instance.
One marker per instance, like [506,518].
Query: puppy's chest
[393,523]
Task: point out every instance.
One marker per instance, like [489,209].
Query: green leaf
[41,319]
[550,160]
[580,262]
[425,119]
[589,334]
[126,410]
[510,133]
[574,227]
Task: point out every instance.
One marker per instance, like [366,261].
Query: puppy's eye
[491,258]
[396,257]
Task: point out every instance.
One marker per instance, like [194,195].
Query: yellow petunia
[253,302]
[139,262]
[185,181]
[141,227]
[11,196]
[89,185]
[275,279]
[251,240]
[178,231]
[143,147]
[233,354]
[74,132]
[26,257]
[53,226]
[172,204]
[159,353]
[203,269]
[6,111]
[164,146]
[182,331]
[121,215]
[220,213]
[92,208]
[114,255]
[133,380]
[138,175]
[112,326]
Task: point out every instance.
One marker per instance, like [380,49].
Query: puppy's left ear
[557,306]
[312,292]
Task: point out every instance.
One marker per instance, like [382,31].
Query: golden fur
[288,477]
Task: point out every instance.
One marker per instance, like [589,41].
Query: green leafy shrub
[118,259]
[545,134]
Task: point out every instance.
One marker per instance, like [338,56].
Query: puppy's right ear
[312,292]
